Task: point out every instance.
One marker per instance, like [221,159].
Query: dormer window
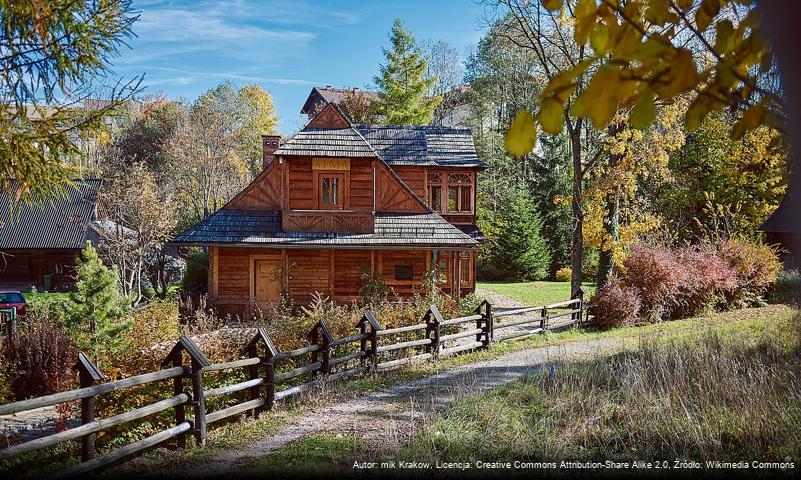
[330,189]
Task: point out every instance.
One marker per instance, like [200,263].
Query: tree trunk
[578,214]
[606,258]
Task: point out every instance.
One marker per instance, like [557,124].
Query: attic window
[435,192]
[403,272]
[460,193]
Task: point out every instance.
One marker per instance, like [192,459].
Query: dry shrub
[656,275]
[708,277]
[685,281]
[757,266]
[40,356]
[615,305]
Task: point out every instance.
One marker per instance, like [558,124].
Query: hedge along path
[389,417]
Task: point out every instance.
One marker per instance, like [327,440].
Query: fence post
[433,329]
[268,360]
[580,297]
[321,335]
[195,373]
[369,325]
[485,323]
[89,374]
[175,358]
[544,318]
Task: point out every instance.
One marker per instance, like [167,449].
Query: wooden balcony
[327,221]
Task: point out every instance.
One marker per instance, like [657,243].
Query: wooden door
[267,286]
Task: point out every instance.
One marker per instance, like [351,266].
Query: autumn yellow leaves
[648,51]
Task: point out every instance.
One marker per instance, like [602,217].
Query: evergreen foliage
[516,250]
[95,307]
[403,84]
[51,48]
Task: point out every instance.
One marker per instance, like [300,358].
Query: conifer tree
[518,251]
[403,83]
[96,305]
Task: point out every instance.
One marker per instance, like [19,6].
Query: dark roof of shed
[58,223]
[426,145]
[327,142]
[787,217]
[263,227]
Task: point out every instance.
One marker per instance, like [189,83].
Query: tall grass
[709,398]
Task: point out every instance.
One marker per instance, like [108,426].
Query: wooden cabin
[783,227]
[338,202]
[39,240]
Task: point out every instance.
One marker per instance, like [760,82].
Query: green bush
[196,276]
[564,274]
[787,288]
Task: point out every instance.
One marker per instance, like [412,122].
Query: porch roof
[263,228]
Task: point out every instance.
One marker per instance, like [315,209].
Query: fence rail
[186,366]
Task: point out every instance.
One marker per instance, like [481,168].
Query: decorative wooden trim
[331,164]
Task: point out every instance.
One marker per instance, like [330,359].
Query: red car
[13,299]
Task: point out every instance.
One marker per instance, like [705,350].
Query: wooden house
[783,227]
[340,201]
[40,240]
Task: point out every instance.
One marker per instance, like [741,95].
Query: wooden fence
[372,349]
[8,321]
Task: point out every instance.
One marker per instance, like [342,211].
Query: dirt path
[389,417]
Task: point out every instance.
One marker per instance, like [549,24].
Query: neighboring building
[783,227]
[341,201]
[39,241]
[321,96]
[454,110]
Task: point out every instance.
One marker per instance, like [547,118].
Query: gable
[394,196]
[329,117]
[263,193]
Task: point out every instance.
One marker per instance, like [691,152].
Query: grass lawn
[535,293]
[729,392]
[313,456]
[31,297]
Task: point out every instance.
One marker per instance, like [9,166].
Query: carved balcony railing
[327,221]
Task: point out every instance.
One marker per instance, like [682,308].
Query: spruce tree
[519,251]
[403,83]
[96,305]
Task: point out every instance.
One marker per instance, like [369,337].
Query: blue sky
[185,47]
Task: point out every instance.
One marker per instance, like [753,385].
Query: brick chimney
[270,144]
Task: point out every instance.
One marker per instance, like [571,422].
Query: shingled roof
[327,142]
[263,227]
[426,145]
[60,223]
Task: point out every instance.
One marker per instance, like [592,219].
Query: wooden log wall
[336,273]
